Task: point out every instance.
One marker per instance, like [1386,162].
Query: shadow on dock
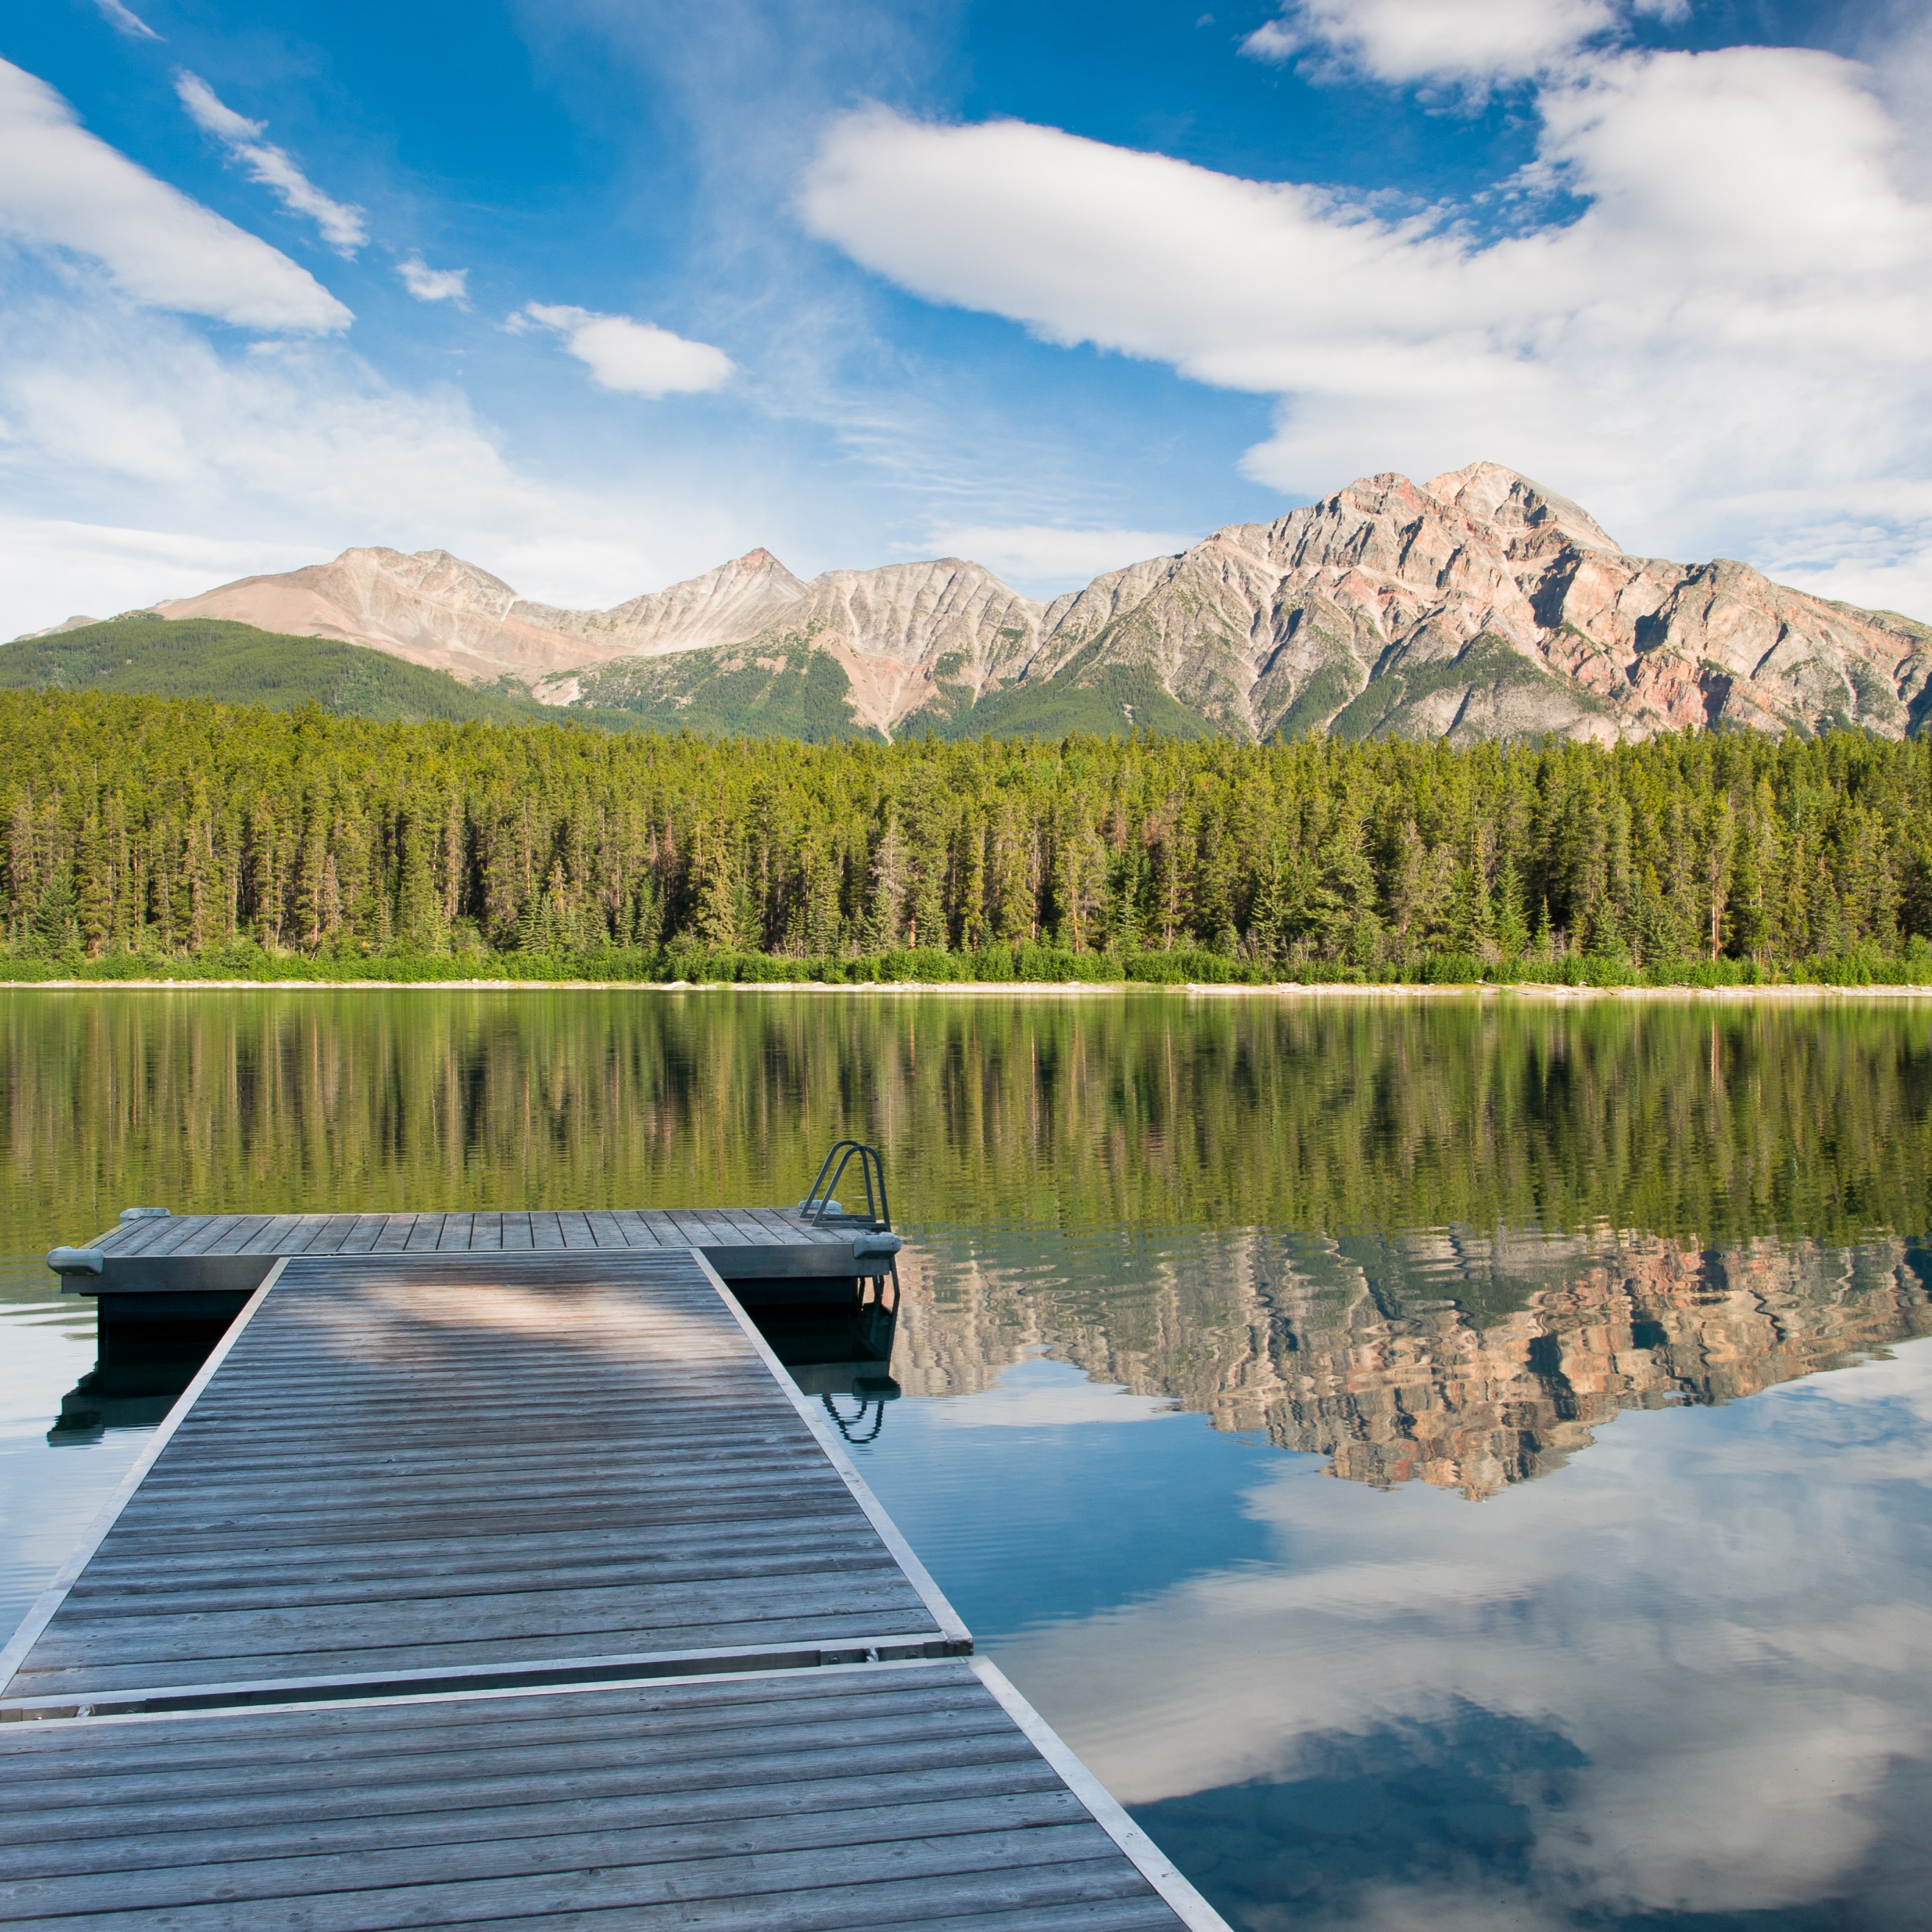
[838,1350]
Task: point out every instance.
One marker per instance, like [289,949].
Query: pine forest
[154,837]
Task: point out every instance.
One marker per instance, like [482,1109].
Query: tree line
[143,830]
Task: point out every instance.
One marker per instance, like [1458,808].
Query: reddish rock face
[1313,1355]
[1478,605]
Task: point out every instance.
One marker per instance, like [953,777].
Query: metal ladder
[821,1208]
[820,1205]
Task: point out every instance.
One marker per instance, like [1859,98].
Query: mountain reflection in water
[1683,1683]
[1467,1362]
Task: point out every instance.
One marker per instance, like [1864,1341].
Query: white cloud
[1405,40]
[1029,554]
[138,460]
[124,20]
[1734,1706]
[638,358]
[112,569]
[432,285]
[1733,337]
[339,225]
[61,189]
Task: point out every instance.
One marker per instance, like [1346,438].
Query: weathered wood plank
[174,1233]
[368,1770]
[640,1229]
[360,1237]
[274,1237]
[350,1776]
[995,1857]
[509,1528]
[781,1528]
[605,1228]
[787,1466]
[394,1238]
[888,1795]
[756,1699]
[793,1578]
[425,1234]
[117,1628]
[318,1233]
[389,1403]
[538,1861]
[232,1236]
[125,1832]
[741,1227]
[136,1237]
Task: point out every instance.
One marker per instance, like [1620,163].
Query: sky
[598,294]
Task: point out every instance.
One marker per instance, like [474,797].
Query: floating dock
[187,1265]
[472,1586]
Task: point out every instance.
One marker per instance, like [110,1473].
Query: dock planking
[404,1464]
[521,1587]
[886,1795]
[185,1237]
[771,1255]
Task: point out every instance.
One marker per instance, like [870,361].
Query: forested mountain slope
[1478,606]
[210,658]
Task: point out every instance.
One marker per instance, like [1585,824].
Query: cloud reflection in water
[1682,1681]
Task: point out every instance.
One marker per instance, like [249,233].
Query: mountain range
[1478,605]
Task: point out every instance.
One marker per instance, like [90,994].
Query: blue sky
[1056,287]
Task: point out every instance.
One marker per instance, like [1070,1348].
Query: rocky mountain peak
[1527,517]
[1480,605]
[76,623]
[431,573]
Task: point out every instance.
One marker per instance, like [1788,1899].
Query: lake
[1455,1462]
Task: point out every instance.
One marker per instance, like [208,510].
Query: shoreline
[980,988]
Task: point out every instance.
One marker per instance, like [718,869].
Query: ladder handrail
[819,1197]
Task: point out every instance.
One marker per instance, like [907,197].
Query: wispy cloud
[1401,40]
[339,224]
[125,21]
[638,357]
[1727,341]
[1470,42]
[63,189]
[145,461]
[434,285]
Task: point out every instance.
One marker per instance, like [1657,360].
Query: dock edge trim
[952,1625]
[50,1599]
[485,1680]
[1153,1864]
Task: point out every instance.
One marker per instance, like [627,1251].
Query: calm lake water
[1444,1464]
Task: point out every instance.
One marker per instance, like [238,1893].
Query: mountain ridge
[1478,605]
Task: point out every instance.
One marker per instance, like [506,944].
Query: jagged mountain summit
[1478,605]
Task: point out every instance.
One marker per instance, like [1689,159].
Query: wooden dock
[467,1587]
[768,1254]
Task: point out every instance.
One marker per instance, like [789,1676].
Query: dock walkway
[524,1588]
